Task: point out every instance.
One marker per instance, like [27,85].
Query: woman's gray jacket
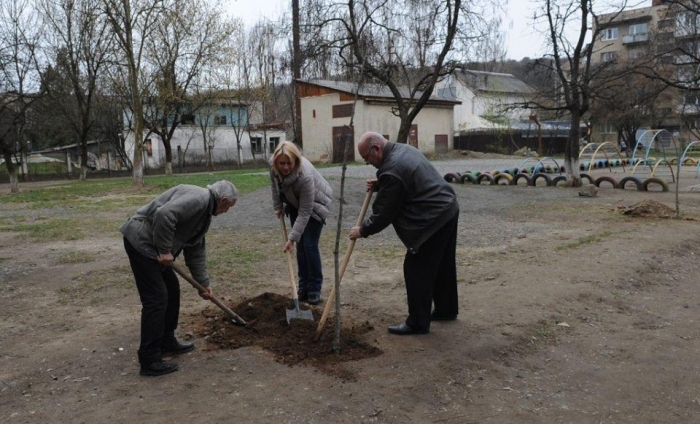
[177,220]
[307,191]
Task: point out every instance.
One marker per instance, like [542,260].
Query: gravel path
[488,214]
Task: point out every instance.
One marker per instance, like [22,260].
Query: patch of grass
[76,257]
[229,258]
[95,287]
[77,227]
[81,192]
[585,240]
[47,229]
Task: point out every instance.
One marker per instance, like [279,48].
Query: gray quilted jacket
[307,191]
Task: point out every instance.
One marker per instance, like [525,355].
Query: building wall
[189,139]
[483,104]
[318,123]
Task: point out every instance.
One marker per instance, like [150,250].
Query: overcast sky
[523,40]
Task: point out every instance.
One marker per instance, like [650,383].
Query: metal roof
[374,90]
[493,82]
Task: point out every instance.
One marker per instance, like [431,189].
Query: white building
[225,132]
[488,99]
[327,108]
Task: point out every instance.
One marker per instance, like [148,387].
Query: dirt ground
[572,310]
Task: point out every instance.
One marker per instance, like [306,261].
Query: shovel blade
[299,314]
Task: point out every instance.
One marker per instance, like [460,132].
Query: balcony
[635,38]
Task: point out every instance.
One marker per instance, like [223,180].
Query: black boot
[157,368]
[174,347]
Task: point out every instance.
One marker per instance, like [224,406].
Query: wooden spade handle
[180,270]
[343,266]
[290,267]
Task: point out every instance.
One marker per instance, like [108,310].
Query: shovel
[295,313]
[343,266]
[180,270]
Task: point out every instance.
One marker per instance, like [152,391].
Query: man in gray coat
[175,221]
[423,208]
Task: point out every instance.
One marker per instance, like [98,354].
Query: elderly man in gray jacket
[175,221]
[423,208]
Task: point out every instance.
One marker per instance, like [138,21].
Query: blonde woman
[299,190]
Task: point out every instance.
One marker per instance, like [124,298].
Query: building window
[609,34]
[638,29]
[686,24]
[256,144]
[149,147]
[608,128]
[635,53]
[187,119]
[342,111]
[692,99]
[274,142]
[220,120]
[666,23]
[608,56]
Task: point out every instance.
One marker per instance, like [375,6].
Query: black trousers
[431,276]
[159,290]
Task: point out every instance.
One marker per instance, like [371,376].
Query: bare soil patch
[291,343]
[649,208]
[571,311]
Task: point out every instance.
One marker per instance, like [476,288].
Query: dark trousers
[159,290]
[309,256]
[431,276]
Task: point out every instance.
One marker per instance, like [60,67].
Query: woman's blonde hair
[289,149]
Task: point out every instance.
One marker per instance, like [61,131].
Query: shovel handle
[290,267]
[180,270]
[343,266]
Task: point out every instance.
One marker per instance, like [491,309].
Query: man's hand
[279,213]
[355,233]
[206,295]
[166,259]
[372,185]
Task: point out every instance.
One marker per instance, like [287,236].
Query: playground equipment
[539,166]
[608,163]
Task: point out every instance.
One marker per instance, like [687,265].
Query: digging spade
[295,313]
[180,270]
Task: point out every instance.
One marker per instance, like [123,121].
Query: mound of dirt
[649,208]
[291,343]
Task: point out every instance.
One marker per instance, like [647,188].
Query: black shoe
[313,299]
[176,348]
[303,296]
[439,317]
[155,369]
[404,330]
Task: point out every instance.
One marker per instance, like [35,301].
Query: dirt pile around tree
[291,343]
[649,208]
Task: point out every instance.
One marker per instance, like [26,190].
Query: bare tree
[405,45]
[579,79]
[186,38]
[81,40]
[261,77]
[133,22]
[19,78]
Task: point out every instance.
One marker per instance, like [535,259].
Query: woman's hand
[279,213]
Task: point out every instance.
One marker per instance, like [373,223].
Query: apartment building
[638,35]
